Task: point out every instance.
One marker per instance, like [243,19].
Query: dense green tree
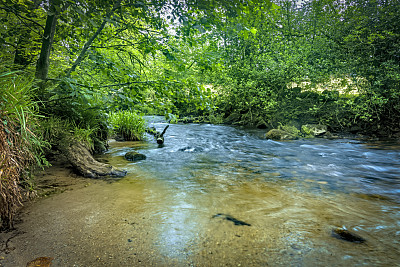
[265,52]
[367,35]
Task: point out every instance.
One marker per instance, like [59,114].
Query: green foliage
[128,124]
[61,132]
[365,38]
[171,118]
[257,68]
[265,51]
[307,132]
[215,118]
[19,32]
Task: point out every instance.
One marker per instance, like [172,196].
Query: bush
[60,132]
[128,125]
[54,130]
[85,136]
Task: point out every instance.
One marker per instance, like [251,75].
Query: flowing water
[178,207]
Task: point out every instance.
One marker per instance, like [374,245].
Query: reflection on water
[292,193]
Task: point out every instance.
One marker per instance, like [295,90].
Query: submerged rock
[40,262]
[134,156]
[346,235]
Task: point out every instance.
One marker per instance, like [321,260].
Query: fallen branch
[157,135]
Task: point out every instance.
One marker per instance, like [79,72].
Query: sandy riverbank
[86,222]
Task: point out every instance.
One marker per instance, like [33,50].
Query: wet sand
[144,222]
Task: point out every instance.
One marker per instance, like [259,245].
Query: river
[179,206]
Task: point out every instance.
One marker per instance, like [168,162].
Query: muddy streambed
[178,207]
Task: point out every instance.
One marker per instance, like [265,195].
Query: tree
[365,40]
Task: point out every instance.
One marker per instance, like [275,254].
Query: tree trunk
[84,163]
[77,154]
[42,66]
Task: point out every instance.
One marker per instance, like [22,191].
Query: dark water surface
[224,196]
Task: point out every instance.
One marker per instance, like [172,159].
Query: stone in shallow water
[344,234]
[40,262]
[277,134]
[134,156]
[230,218]
[314,129]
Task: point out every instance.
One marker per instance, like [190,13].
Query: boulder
[277,134]
[134,156]
[314,129]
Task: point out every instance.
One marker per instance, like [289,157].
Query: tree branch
[22,17]
[118,45]
[103,86]
[91,39]
[122,84]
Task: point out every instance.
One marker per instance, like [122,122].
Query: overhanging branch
[91,39]
[123,84]
[103,86]
[22,18]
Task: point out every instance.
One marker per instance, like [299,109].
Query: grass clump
[21,145]
[129,125]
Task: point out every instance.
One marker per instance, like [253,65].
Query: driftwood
[83,162]
[157,135]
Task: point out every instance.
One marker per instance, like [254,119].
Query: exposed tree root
[85,164]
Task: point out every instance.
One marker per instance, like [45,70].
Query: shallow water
[292,194]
